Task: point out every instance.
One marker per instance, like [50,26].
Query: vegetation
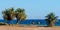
[20,14]
[50,19]
[8,14]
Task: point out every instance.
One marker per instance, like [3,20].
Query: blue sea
[29,21]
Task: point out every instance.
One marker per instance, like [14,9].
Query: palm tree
[8,14]
[20,14]
[50,19]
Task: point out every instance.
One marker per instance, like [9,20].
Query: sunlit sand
[16,27]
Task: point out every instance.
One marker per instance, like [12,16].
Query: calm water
[29,21]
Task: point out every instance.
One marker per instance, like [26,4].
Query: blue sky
[35,9]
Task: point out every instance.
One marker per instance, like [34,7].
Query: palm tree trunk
[51,24]
[17,21]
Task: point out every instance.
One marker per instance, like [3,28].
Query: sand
[6,27]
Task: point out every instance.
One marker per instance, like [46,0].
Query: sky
[35,9]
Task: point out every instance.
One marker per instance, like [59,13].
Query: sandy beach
[4,27]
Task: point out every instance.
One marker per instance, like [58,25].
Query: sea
[29,22]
